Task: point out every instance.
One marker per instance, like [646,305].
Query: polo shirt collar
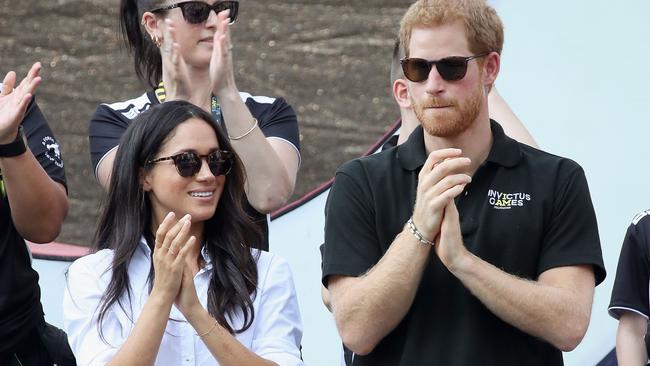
[504,151]
[412,153]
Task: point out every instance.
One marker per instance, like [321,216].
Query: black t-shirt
[526,211]
[630,292]
[275,116]
[20,306]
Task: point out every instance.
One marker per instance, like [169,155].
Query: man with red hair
[461,246]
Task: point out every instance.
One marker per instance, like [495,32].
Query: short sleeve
[571,237]
[276,120]
[351,241]
[81,301]
[279,332]
[630,292]
[105,130]
[43,144]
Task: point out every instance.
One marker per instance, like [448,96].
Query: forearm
[270,180]
[141,347]
[630,343]
[558,315]
[372,305]
[223,346]
[38,204]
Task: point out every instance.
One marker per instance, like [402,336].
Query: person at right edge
[460,246]
[630,295]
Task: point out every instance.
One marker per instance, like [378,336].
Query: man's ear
[491,68]
[401,93]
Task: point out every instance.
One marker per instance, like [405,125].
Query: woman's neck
[199,87]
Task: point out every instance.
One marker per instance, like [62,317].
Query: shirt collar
[147,252]
[504,151]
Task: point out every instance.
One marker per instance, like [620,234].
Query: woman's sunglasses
[197,12]
[189,163]
[450,68]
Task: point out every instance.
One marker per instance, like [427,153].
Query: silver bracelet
[209,331]
[418,235]
[246,133]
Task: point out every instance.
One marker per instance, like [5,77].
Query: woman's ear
[145,180]
[401,93]
[152,27]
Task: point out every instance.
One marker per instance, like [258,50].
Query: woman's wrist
[228,92]
[199,317]
[162,297]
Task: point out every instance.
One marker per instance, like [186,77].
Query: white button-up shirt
[275,333]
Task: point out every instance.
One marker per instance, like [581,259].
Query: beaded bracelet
[418,235]
[246,133]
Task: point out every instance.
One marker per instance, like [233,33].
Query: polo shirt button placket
[188,344]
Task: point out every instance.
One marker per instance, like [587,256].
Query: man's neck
[475,142]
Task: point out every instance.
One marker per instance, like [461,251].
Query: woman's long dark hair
[126,216]
[148,63]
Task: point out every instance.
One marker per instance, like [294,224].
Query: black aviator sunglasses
[450,68]
[188,163]
[197,12]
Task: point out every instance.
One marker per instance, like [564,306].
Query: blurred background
[329,59]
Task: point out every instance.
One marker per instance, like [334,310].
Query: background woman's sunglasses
[196,12]
[450,68]
[189,163]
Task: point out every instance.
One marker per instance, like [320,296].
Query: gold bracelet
[246,133]
[209,331]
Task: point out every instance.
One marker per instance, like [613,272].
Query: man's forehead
[440,40]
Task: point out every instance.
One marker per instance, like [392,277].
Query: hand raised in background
[14,101]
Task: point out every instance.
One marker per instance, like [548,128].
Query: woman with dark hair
[173,279]
[182,50]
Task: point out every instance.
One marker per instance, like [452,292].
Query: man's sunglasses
[450,68]
[188,163]
[197,12]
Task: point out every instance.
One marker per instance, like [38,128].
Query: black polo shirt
[526,211]
[20,295]
[630,292]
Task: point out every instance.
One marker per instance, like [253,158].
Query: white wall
[576,73]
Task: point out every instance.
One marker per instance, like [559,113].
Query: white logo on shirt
[52,150]
[506,201]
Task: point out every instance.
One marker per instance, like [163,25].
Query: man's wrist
[14,148]
[463,263]
[417,234]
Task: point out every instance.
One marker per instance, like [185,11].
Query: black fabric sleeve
[351,242]
[630,292]
[105,130]
[43,144]
[571,236]
[277,120]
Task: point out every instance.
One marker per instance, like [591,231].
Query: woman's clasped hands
[174,274]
